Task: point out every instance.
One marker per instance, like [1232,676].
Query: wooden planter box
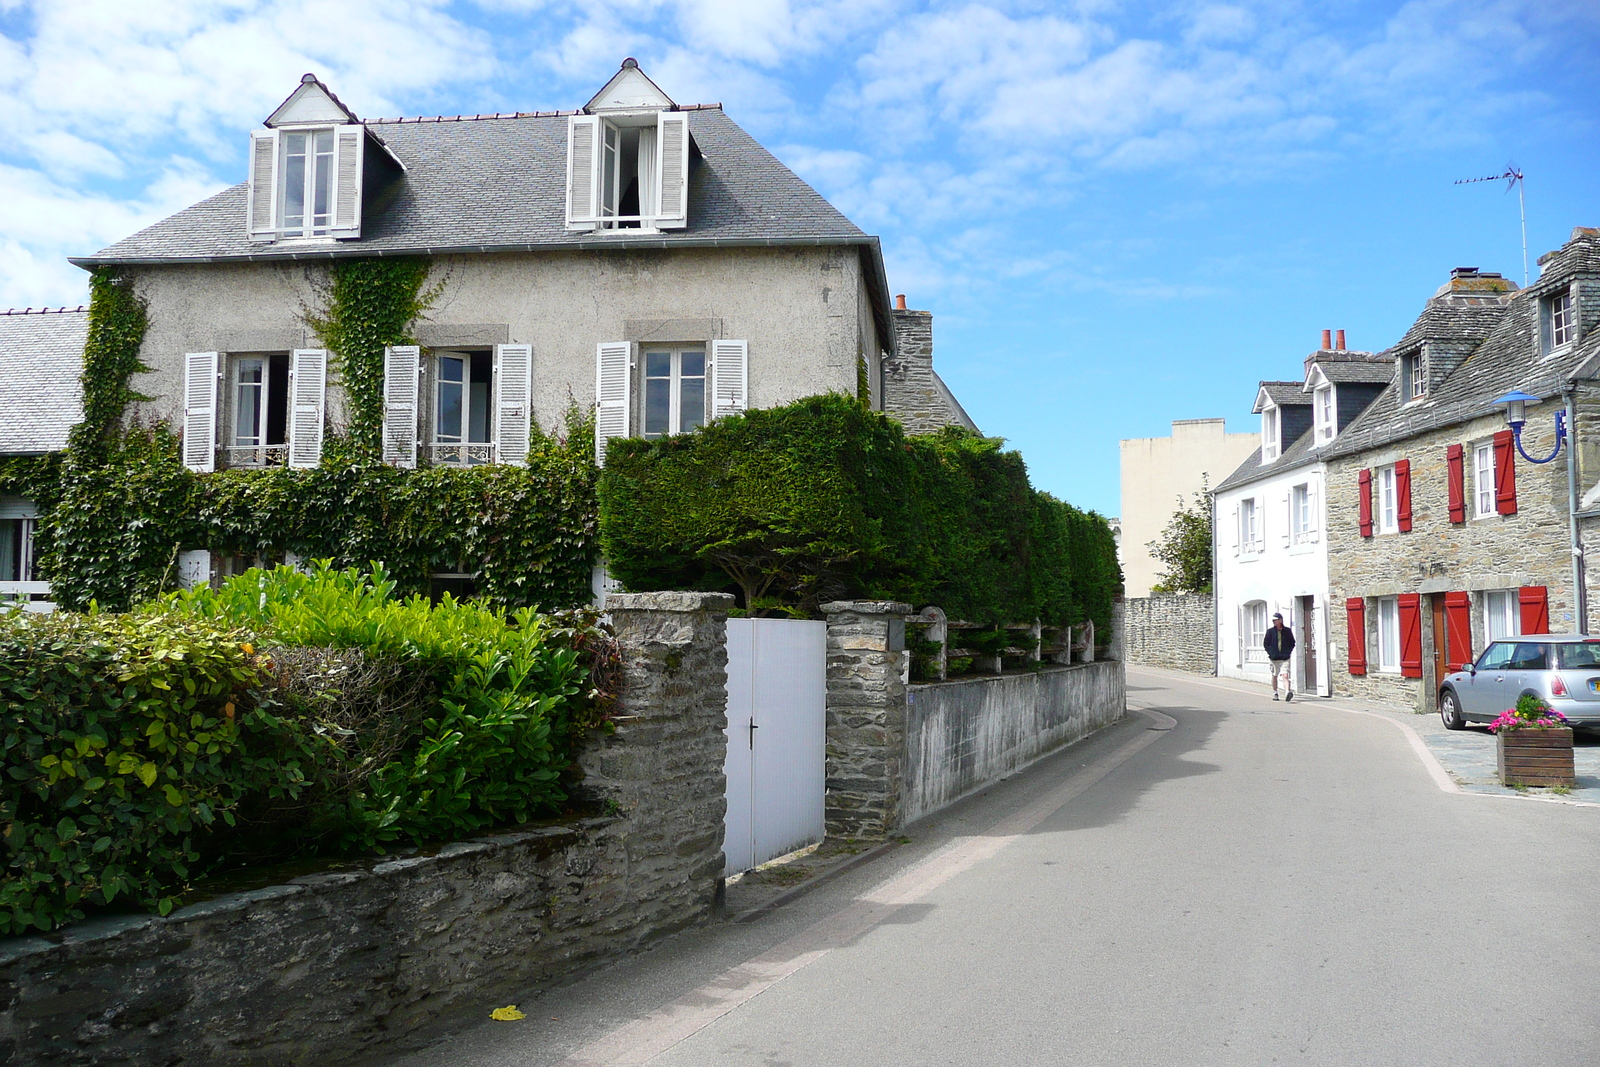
[1535,757]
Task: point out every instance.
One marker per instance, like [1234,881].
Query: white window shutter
[583,171]
[1313,513]
[349,166]
[401,382]
[513,407]
[672,201]
[1236,536]
[613,366]
[200,411]
[262,202]
[730,377]
[308,386]
[1288,498]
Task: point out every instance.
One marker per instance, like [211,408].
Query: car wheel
[1450,711]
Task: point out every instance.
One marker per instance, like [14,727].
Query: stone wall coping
[669,601]
[19,947]
[1049,668]
[866,607]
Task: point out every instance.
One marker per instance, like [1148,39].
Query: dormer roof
[311,104]
[1348,367]
[629,89]
[1280,394]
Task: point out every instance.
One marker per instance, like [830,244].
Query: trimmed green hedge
[820,499]
[284,715]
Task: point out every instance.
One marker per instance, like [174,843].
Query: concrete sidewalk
[1466,756]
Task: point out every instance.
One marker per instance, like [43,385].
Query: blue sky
[1120,213]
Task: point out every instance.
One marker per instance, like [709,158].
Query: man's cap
[1277,614]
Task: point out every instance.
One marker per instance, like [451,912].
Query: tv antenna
[1512,177]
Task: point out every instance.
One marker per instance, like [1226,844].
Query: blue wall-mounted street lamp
[1516,403]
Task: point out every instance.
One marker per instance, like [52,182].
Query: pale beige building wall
[1157,472]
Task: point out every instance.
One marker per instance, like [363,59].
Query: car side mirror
[1472,669]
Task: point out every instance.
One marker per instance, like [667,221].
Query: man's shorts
[1279,667]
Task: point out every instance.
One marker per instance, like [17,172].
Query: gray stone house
[41,358]
[1442,534]
[642,258]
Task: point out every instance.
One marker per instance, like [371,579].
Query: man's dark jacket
[1278,643]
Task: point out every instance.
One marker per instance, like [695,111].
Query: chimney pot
[1327,340]
[1339,342]
[900,302]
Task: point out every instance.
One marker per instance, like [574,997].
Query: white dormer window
[1327,426]
[306,169]
[628,158]
[1269,434]
[1558,321]
[1413,376]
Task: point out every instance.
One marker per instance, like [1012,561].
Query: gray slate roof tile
[41,362]
[500,183]
[1282,393]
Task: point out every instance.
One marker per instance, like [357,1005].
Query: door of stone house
[1306,608]
[1441,640]
[777,733]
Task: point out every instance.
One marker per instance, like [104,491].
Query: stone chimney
[912,391]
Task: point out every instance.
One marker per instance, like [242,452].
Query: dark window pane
[658,364]
[1575,657]
[692,403]
[657,406]
[693,365]
[1528,657]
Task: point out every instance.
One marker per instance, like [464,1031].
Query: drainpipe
[1580,594]
[1216,614]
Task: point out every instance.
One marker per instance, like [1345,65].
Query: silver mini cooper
[1561,669]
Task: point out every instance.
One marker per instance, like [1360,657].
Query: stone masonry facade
[866,717]
[368,959]
[1497,552]
[913,391]
[1176,632]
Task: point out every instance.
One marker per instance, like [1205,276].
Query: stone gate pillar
[866,716]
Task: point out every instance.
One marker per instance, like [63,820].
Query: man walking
[1279,644]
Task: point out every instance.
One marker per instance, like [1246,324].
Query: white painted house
[1268,519]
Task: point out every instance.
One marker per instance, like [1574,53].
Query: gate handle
[754,726]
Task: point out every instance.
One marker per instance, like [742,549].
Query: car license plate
[1594,685]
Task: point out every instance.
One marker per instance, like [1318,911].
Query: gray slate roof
[1370,371]
[499,183]
[1281,393]
[1445,319]
[41,361]
[1298,454]
[1508,358]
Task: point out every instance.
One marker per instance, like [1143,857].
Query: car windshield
[1579,656]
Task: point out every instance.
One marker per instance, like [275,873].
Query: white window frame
[1253,624]
[1252,538]
[1502,615]
[1483,490]
[27,592]
[675,380]
[1387,610]
[1558,321]
[1388,501]
[1327,423]
[309,226]
[461,450]
[1413,376]
[1270,427]
[1301,521]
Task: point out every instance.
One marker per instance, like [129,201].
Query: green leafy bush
[121,746]
[822,498]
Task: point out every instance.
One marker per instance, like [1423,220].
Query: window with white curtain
[1301,521]
[1388,503]
[1483,480]
[1500,615]
[1389,633]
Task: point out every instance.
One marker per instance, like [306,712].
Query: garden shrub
[285,714]
[822,499]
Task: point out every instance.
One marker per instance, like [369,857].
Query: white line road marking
[647,1037]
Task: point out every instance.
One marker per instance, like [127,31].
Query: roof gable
[629,89]
[312,103]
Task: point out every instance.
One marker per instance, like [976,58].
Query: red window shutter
[1458,630]
[1364,482]
[1535,601]
[1455,464]
[1402,495]
[1505,473]
[1410,635]
[1355,637]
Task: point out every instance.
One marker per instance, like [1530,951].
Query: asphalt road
[1260,883]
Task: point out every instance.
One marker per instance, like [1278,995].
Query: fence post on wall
[866,716]
[663,767]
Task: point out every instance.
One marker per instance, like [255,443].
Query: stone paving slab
[1469,758]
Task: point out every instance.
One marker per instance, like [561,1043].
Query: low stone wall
[1177,632]
[964,735]
[346,964]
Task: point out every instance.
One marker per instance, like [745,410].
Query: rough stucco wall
[1177,632]
[1435,557]
[369,958]
[799,309]
[1158,472]
[964,735]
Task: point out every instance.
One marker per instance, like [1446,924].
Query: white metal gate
[777,697]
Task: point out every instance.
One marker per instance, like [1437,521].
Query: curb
[751,914]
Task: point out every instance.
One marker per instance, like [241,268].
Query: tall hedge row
[821,499]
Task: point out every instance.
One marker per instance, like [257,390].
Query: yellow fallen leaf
[507,1014]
